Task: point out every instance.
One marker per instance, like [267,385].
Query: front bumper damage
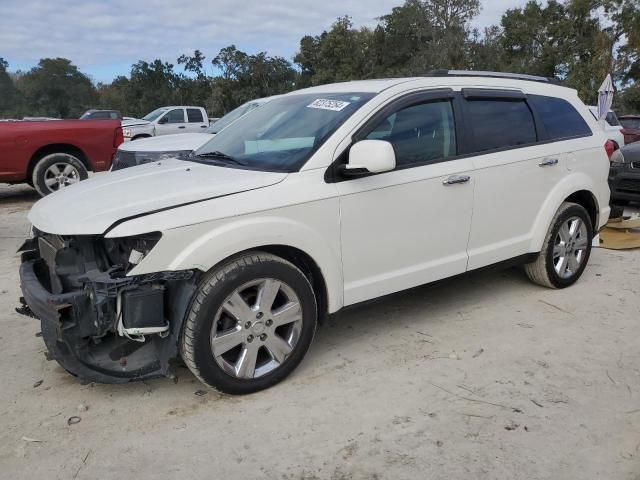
[87,304]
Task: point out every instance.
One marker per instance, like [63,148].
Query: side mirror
[163,120]
[370,156]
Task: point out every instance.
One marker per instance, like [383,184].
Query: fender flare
[575,182]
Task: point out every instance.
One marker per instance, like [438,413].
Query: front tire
[250,324]
[566,248]
[56,171]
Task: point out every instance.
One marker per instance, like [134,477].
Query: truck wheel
[566,248]
[250,324]
[56,171]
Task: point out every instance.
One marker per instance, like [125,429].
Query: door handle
[182,126]
[203,126]
[455,179]
[548,162]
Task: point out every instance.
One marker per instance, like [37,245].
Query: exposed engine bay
[99,323]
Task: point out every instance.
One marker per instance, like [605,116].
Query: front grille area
[123,159]
[629,185]
[635,165]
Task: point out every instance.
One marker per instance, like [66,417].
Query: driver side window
[420,134]
[175,116]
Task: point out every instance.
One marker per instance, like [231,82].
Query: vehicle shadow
[411,309]
[17,196]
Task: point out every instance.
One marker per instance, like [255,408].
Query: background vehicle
[322,198]
[168,146]
[624,175]
[101,115]
[612,126]
[166,121]
[52,155]
[630,128]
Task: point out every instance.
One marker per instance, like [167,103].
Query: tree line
[577,41]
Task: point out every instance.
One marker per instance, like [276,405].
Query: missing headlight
[129,251]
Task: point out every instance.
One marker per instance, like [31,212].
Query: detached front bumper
[80,324]
[43,304]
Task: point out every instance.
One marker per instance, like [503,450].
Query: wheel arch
[304,262]
[57,148]
[141,135]
[577,188]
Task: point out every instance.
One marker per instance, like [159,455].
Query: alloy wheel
[570,247]
[256,328]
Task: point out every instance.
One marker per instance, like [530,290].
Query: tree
[8,91]
[57,88]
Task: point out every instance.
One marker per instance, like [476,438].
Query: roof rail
[478,73]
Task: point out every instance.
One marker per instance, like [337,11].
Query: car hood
[168,143]
[94,205]
[133,122]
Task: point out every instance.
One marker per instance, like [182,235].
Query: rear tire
[566,248]
[250,324]
[56,171]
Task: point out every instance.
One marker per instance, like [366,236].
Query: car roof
[469,81]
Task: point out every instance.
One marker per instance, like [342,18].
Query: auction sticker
[324,104]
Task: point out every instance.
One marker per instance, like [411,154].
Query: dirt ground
[482,377]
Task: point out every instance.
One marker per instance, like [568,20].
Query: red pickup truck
[50,155]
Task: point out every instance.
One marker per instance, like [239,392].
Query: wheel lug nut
[259,315]
[250,338]
[268,323]
[247,325]
[263,337]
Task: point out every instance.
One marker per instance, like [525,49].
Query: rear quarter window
[560,119]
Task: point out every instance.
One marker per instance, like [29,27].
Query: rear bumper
[624,183]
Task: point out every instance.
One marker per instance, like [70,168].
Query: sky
[104,37]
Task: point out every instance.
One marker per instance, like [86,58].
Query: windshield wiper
[221,156]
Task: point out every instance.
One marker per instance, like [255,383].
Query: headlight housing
[617,158]
[126,158]
[126,252]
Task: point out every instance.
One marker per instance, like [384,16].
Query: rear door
[196,120]
[514,173]
[173,121]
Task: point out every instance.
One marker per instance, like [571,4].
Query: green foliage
[56,88]
[577,41]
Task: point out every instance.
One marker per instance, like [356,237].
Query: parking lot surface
[483,376]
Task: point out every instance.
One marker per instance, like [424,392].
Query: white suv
[320,199]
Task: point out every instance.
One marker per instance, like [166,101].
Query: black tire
[41,172]
[617,211]
[214,290]
[542,271]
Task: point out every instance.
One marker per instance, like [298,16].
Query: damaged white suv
[322,198]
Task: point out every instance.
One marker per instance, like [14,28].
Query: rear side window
[559,118]
[194,115]
[500,123]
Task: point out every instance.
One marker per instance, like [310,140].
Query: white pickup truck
[166,121]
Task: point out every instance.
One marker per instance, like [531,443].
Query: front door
[172,122]
[409,226]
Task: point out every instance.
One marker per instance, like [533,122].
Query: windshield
[150,117]
[232,116]
[281,135]
[630,123]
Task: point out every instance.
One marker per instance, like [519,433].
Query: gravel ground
[483,376]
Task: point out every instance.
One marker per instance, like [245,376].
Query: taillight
[118,138]
[610,146]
